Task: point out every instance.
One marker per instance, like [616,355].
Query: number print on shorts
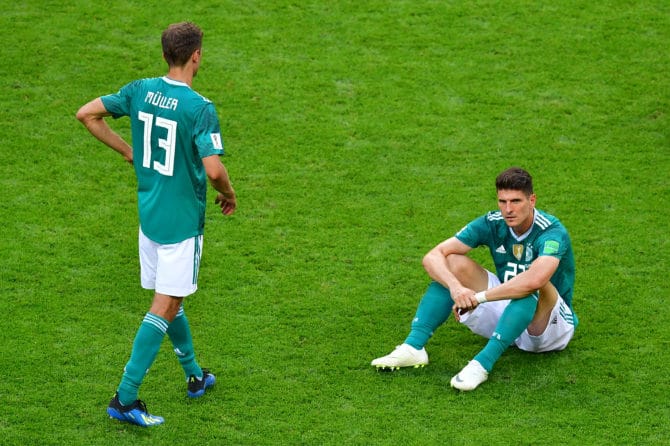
[167,143]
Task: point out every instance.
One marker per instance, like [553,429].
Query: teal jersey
[512,255]
[173,128]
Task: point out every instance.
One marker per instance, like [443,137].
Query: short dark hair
[515,178]
[180,41]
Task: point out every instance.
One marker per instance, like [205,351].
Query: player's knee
[469,272]
[459,264]
[523,310]
[166,306]
[548,295]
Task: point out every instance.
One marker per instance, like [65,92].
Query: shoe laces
[141,405]
[193,378]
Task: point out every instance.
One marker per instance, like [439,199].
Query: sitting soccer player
[527,302]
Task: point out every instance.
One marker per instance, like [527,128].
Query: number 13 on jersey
[167,143]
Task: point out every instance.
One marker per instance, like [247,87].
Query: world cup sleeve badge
[517,250]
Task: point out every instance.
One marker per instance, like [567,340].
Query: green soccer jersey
[173,128]
[513,254]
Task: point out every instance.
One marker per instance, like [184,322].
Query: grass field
[359,134]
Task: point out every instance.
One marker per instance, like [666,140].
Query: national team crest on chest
[529,253]
[517,250]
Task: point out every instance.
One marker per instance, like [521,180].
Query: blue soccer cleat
[196,387]
[135,413]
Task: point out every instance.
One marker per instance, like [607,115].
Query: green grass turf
[359,135]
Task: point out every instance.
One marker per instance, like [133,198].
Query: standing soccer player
[177,143]
[527,302]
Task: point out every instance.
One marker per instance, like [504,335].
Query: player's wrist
[481,297]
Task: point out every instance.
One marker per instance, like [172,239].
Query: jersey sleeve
[118,104]
[474,233]
[553,242]
[208,132]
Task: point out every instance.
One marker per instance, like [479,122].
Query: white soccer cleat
[470,377]
[404,355]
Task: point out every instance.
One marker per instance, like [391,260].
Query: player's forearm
[101,131]
[435,265]
[529,281]
[221,182]
[509,290]
[435,262]
[92,116]
[518,287]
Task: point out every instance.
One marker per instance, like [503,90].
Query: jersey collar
[174,82]
[522,237]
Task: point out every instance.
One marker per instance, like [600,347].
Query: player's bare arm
[219,179]
[527,282]
[436,265]
[92,116]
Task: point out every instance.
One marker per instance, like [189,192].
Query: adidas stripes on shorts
[170,269]
[560,329]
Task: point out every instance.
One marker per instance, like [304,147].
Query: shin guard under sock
[145,348]
[179,332]
[514,320]
[433,311]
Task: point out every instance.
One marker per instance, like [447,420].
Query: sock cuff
[156,321]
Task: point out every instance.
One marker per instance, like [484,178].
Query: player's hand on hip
[228,203]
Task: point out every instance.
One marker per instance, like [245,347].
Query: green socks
[179,332]
[514,320]
[145,348]
[435,307]
[433,311]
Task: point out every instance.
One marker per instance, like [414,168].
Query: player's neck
[181,74]
[525,227]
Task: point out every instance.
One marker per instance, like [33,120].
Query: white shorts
[170,269]
[483,320]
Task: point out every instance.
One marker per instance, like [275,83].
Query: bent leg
[436,304]
[514,320]
[433,311]
[146,345]
[531,313]
[546,302]
[166,306]
[179,332]
[470,273]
